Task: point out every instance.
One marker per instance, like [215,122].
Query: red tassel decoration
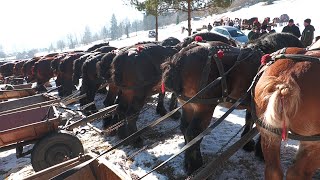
[163,88]
[265,59]
[139,48]
[220,54]
[198,39]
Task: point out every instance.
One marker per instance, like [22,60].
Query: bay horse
[285,98]
[17,69]
[136,72]
[185,75]
[96,46]
[170,41]
[27,69]
[65,72]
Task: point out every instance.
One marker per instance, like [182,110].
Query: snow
[166,139]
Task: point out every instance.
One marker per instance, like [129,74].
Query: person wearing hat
[254,33]
[308,33]
[292,28]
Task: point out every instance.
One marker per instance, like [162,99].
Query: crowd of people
[306,37]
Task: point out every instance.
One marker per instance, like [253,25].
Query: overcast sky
[27,24]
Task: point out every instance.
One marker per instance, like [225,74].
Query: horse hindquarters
[277,101]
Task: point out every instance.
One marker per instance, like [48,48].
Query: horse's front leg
[173,105]
[201,120]
[161,110]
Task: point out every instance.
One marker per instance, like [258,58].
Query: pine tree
[61,45]
[104,32]
[71,41]
[87,36]
[114,27]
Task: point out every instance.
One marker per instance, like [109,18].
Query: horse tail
[282,99]
[171,75]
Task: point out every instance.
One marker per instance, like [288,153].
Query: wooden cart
[39,126]
[99,169]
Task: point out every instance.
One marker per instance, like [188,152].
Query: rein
[258,121]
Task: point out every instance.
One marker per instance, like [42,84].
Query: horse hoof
[138,143]
[249,147]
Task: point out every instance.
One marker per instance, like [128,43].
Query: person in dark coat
[308,33]
[263,30]
[270,30]
[209,27]
[254,33]
[292,28]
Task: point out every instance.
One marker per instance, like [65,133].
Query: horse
[7,69]
[285,99]
[188,71]
[43,72]
[136,72]
[65,72]
[27,69]
[17,69]
[77,68]
[90,82]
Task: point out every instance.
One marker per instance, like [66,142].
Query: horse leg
[110,100]
[248,126]
[271,150]
[161,110]
[200,121]
[307,162]
[173,105]
[132,115]
[187,114]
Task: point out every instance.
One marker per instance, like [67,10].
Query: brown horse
[185,75]
[43,72]
[136,72]
[65,73]
[286,98]
[17,69]
[27,69]
[7,69]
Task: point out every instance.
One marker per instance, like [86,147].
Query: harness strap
[221,72]
[297,57]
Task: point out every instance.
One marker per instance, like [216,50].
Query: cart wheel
[53,149]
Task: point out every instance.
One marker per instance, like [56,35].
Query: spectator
[231,23]
[263,30]
[270,31]
[254,33]
[308,33]
[209,27]
[292,28]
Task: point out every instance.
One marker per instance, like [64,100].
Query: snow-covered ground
[166,139]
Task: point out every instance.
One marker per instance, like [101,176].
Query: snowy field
[166,139]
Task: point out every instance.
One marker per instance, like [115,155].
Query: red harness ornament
[163,88]
[265,59]
[220,54]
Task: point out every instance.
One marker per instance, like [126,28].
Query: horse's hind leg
[271,150]
[161,110]
[307,162]
[201,120]
[187,114]
[248,126]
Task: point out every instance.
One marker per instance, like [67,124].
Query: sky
[27,24]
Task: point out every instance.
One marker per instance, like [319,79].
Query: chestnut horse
[286,98]
[136,72]
[27,69]
[184,72]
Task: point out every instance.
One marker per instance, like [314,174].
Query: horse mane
[105,49]
[96,46]
[170,41]
[275,41]
[207,36]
